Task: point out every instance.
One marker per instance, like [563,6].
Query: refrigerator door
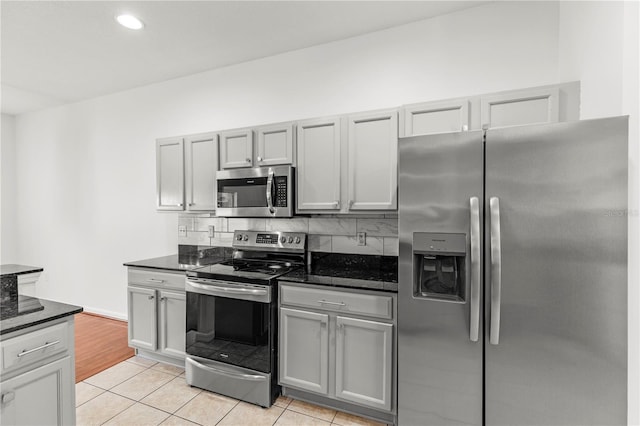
[439,347]
[556,274]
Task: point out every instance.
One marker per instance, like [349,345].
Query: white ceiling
[56,52]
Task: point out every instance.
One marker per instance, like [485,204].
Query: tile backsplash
[330,234]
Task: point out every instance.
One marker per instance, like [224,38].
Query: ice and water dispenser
[439,268]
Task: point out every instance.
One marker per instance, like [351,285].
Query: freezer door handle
[496,270]
[474,225]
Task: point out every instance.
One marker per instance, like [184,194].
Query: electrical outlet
[211,231]
[362,238]
[182,231]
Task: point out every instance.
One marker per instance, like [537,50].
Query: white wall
[87,171]
[8,217]
[606,63]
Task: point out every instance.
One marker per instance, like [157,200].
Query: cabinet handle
[260,159]
[179,204]
[191,204]
[326,302]
[46,345]
[350,204]
[151,297]
[163,299]
[8,397]
[248,160]
[336,204]
[155,280]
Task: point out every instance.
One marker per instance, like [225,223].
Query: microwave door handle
[269,191]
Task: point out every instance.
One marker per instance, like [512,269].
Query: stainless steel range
[231,316]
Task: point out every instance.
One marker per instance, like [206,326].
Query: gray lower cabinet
[304,349]
[38,376]
[157,314]
[338,345]
[364,361]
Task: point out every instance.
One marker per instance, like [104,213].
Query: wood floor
[100,343]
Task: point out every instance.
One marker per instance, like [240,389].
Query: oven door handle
[232,374]
[270,192]
[216,289]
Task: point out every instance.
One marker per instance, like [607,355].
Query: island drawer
[366,304]
[156,279]
[32,347]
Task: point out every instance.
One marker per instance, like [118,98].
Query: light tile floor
[142,392]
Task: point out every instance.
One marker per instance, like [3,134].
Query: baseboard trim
[106,314]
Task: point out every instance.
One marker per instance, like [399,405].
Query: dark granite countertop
[188,258]
[38,311]
[169,263]
[351,271]
[13,269]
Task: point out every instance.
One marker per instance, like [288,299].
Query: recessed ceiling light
[130,22]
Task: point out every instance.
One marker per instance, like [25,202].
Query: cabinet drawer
[338,301]
[156,279]
[35,346]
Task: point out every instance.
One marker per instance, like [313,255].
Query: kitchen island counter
[13,269]
[38,311]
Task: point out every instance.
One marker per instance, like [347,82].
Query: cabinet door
[519,107]
[201,166]
[143,323]
[373,161]
[43,396]
[236,149]
[170,174]
[364,362]
[275,145]
[304,350]
[435,117]
[172,323]
[318,171]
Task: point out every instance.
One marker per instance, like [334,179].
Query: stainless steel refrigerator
[512,305]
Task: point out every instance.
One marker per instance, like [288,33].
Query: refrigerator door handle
[496,270]
[474,225]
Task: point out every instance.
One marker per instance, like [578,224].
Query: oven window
[242,193]
[229,330]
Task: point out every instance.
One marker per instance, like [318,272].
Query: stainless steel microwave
[256,192]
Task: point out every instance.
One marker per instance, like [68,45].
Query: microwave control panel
[281,191]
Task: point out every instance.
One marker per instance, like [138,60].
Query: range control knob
[283,240]
[297,240]
[290,240]
[246,237]
[239,237]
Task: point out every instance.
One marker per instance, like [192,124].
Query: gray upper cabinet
[543,104]
[318,173]
[373,161]
[529,106]
[236,149]
[170,174]
[435,117]
[186,169]
[275,145]
[201,166]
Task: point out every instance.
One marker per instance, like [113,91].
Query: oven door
[230,323]
[257,192]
